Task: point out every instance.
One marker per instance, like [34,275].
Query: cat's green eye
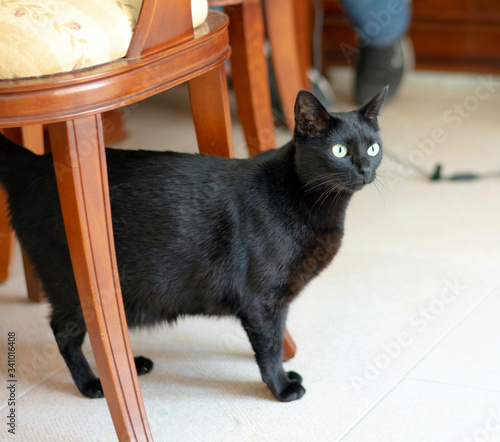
[373,150]
[339,150]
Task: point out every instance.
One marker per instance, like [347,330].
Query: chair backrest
[161,23]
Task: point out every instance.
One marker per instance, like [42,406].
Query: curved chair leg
[250,75]
[211,114]
[280,19]
[289,346]
[80,165]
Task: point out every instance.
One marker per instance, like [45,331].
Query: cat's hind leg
[69,334]
[143,365]
[265,327]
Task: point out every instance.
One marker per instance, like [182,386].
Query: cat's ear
[311,118]
[370,110]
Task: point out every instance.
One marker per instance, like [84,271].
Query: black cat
[202,235]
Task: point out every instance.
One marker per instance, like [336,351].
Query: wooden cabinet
[454,35]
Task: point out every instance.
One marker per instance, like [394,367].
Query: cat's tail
[12,155]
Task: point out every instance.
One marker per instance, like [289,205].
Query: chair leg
[80,165]
[211,115]
[33,283]
[289,346]
[250,75]
[280,21]
[212,122]
[6,233]
[6,239]
[32,139]
[303,14]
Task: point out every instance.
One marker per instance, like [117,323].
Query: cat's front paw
[92,389]
[294,376]
[293,391]
[290,390]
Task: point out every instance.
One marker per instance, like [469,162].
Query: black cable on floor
[437,175]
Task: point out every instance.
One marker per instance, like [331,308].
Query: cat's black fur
[201,235]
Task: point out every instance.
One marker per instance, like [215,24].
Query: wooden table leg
[80,165]
[250,75]
[280,20]
[211,115]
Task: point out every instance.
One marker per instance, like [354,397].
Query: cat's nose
[366,172]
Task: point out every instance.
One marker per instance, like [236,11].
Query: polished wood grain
[158,28]
[113,85]
[213,129]
[291,57]
[80,166]
[249,74]
[304,23]
[281,31]
[114,129]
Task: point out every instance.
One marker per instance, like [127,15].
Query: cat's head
[339,150]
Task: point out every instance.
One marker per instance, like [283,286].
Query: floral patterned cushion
[43,37]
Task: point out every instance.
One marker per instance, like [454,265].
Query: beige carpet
[398,339]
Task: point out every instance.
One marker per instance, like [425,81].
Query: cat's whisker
[327,196]
[333,186]
[321,199]
[384,185]
[339,188]
[377,185]
[321,180]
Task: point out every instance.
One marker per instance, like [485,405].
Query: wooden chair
[164,52]
[249,66]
